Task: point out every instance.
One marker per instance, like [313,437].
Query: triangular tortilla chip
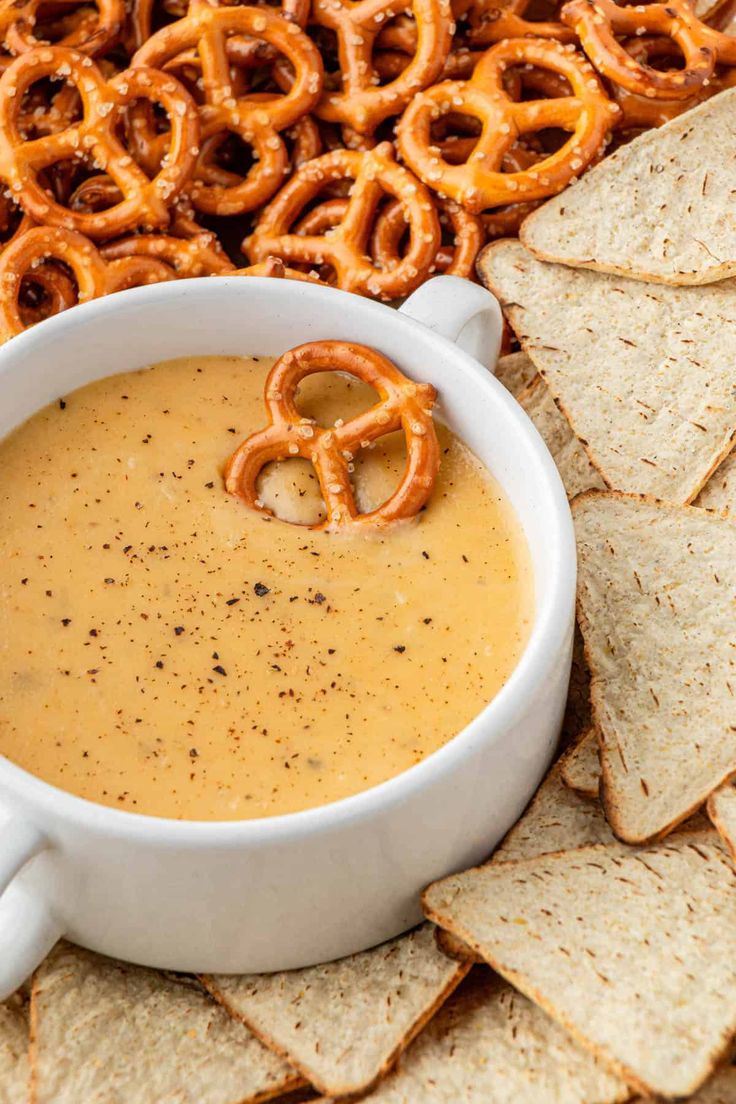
[515,371]
[656,602]
[573,462]
[580,767]
[490,1045]
[14,1068]
[343,1024]
[644,374]
[722,812]
[719,493]
[660,208]
[114,1033]
[633,951]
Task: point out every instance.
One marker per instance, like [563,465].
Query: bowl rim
[547,639]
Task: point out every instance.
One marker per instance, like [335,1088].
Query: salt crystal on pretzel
[403,405]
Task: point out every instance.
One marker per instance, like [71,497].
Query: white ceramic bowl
[289,891]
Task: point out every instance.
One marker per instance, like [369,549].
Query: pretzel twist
[479,183]
[495,20]
[643,111]
[27,255]
[258,123]
[403,405]
[457,258]
[144,202]
[363,102]
[598,24]
[196,256]
[344,246]
[91,32]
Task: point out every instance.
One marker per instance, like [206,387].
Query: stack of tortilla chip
[592,959]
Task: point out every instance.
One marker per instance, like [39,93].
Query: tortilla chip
[114,1033]
[632,951]
[344,1024]
[581,765]
[656,600]
[573,462]
[719,493]
[659,208]
[14,1068]
[643,374]
[490,1045]
[722,812]
[515,371]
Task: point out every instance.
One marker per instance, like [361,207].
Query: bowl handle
[28,930]
[463,312]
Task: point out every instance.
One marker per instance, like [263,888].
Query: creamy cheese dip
[165,650]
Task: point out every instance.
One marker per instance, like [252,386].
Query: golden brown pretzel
[403,405]
[363,102]
[196,256]
[599,24]
[644,111]
[94,277]
[494,20]
[274,266]
[456,258]
[207,29]
[375,174]
[91,30]
[588,115]
[144,202]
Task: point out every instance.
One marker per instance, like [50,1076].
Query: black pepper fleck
[261,589]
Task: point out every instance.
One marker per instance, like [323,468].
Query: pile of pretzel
[363,143]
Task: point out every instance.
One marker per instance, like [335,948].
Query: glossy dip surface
[167,651]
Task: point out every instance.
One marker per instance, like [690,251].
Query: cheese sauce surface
[165,650]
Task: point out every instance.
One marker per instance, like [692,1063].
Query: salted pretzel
[600,23]
[196,256]
[144,201]
[403,405]
[642,111]
[457,258]
[27,255]
[275,267]
[93,27]
[207,28]
[492,21]
[588,115]
[363,102]
[344,247]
